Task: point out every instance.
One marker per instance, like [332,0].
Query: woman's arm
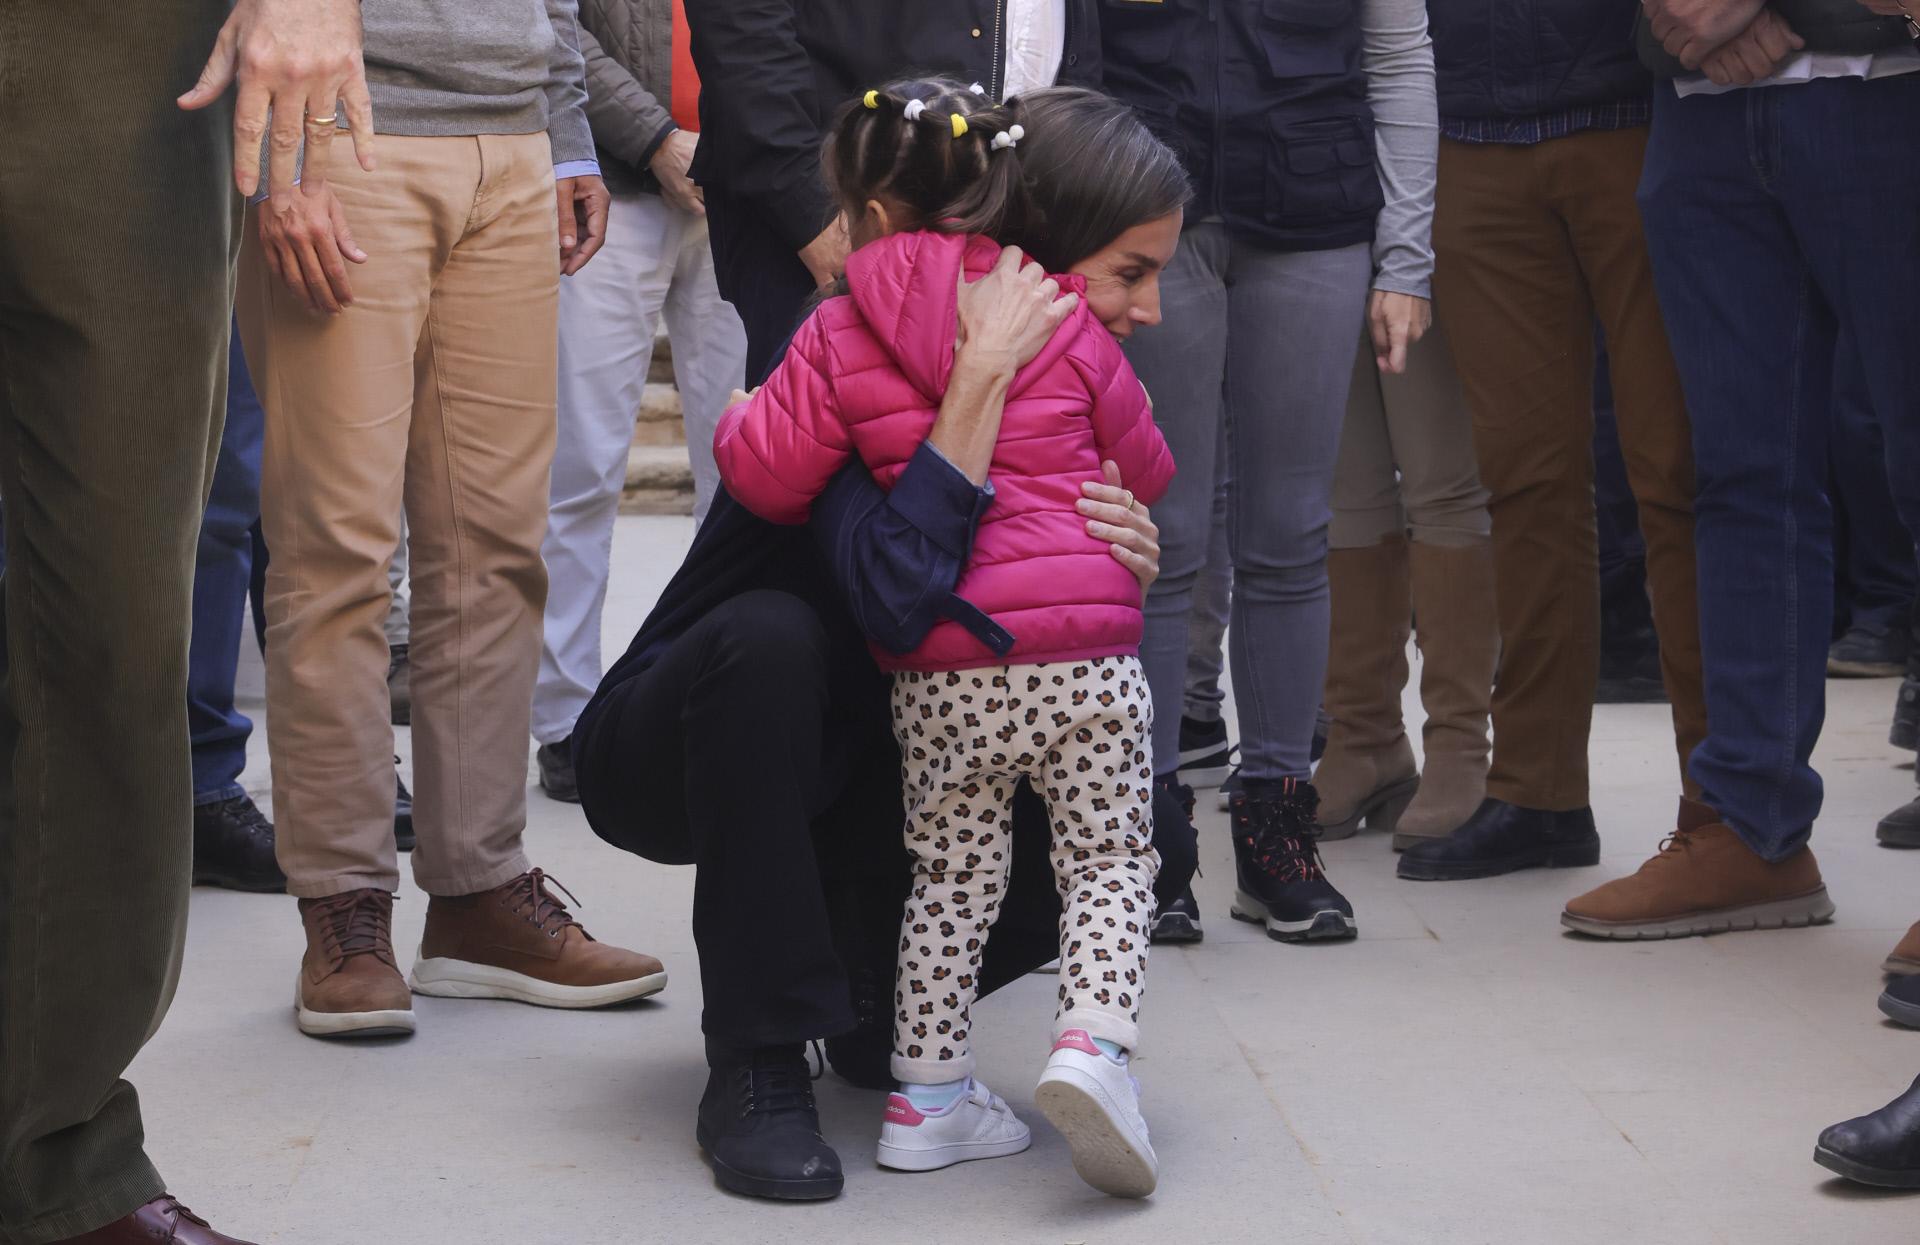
[1398,55]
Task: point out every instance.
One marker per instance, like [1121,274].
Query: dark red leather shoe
[162,1220]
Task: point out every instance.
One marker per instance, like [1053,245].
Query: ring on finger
[1129,496]
[331,118]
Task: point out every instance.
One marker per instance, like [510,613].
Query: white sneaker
[977,1126]
[1095,1104]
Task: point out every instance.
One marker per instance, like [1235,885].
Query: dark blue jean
[1876,560]
[1774,216]
[223,570]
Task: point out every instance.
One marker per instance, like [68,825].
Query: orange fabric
[685,106]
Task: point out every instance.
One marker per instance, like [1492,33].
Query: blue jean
[223,570]
[1876,568]
[1775,216]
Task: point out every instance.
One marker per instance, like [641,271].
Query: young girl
[1036,674]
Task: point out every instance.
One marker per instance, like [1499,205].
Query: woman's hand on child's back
[1007,316]
[1115,515]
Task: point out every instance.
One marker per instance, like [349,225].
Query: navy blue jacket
[886,562]
[1266,103]
[1522,58]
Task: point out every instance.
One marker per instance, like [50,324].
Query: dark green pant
[117,223]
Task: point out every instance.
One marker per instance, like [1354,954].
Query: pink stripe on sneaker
[1076,1039]
[902,1111]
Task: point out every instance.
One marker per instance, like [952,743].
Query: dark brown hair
[1082,171]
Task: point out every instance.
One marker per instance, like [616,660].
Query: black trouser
[758,748]
[766,283]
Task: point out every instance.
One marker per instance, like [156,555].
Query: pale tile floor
[1462,1073]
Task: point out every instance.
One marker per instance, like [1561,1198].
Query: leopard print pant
[1079,731]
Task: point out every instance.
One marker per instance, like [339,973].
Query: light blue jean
[1263,340]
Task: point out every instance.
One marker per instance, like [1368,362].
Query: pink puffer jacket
[865,375]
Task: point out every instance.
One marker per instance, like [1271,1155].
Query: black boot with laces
[760,1128]
[1281,881]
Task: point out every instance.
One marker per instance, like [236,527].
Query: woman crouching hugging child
[1036,673]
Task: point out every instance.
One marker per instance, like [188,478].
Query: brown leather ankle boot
[1459,642]
[1367,773]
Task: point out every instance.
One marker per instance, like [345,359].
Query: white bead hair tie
[1009,137]
[914,108]
[977,89]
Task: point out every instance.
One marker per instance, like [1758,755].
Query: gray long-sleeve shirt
[459,67]
[1398,56]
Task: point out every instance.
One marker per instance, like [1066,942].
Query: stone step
[658,421]
[659,481]
[661,370]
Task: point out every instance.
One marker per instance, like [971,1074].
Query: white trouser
[656,262]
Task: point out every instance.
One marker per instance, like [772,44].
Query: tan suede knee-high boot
[1459,643]
[1368,773]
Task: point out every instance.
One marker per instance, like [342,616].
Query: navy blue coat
[1521,58]
[1266,103]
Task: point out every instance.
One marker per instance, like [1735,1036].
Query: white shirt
[1809,66]
[1036,40]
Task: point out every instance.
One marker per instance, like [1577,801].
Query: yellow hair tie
[959,125]
[873,99]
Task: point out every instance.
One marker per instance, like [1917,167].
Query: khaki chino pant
[437,387]
[1532,244]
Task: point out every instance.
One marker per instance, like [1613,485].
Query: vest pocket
[1139,32]
[1321,171]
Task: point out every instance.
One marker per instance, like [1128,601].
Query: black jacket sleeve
[759,118]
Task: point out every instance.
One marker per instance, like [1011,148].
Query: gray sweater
[458,67]
[1398,56]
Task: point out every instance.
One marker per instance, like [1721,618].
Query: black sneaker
[1881,1149]
[1901,827]
[402,811]
[556,771]
[1900,1001]
[760,1128]
[1631,676]
[1504,838]
[400,684]
[1869,653]
[1230,788]
[1178,921]
[1281,880]
[1205,754]
[1905,732]
[233,848]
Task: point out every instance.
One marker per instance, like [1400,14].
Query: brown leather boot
[518,942]
[1905,960]
[349,984]
[1704,880]
[1367,773]
[156,1223]
[1459,642]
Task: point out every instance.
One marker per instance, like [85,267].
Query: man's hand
[300,61]
[583,203]
[1009,315]
[826,256]
[1397,322]
[1754,53]
[304,236]
[1115,516]
[1691,29]
[670,163]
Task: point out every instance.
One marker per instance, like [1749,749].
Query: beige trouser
[435,387]
[1417,422]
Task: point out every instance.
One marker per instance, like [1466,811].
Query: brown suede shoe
[1704,881]
[159,1221]
[349,984]
[518,942]
[1905,960]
